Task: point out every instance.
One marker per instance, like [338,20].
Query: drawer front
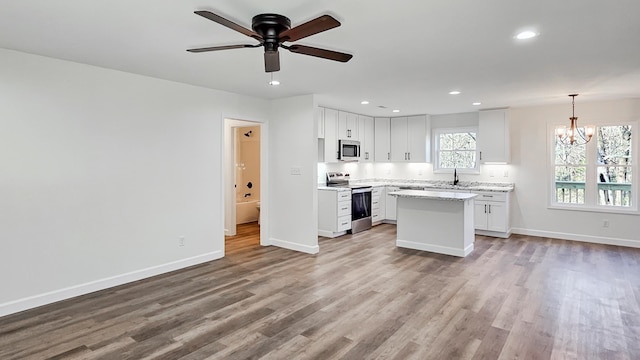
[344,195]
[492,196]
[344,208]
[344,223]
[375,204]
[375,215]
[377,191]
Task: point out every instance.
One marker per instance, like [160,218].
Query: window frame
[591,183]
[436,147]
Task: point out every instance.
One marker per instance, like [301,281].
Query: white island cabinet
[435,221]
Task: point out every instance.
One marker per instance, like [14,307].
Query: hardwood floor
[359,298]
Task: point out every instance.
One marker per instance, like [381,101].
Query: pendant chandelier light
[574,135]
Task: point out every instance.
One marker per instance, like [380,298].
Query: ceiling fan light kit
[272,31]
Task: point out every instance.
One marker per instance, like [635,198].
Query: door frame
[229,176]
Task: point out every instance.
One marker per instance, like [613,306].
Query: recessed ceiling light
[524,35]
[476,103]
[396,110]
[274,82]
[364,102]
[454,92]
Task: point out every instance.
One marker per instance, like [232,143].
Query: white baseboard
[295,246]
[435,248]
[577,237]
[493,233]
[330,234]
[31,302]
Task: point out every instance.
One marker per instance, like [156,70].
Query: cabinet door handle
[480,155]
[388,156]
[485,208]
[489,208]
[409,156]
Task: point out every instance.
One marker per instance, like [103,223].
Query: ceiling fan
[272,31]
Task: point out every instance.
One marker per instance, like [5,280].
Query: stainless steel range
[360,200]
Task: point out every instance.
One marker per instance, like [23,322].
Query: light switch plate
[296,171]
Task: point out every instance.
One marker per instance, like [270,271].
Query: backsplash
[414,171]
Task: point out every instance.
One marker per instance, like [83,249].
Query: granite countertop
[439,184]
[437,195]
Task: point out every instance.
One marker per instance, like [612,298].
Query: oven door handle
[360,191]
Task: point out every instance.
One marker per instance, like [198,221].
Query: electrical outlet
[296,171]
[506,173]
[181,241]
[605,223]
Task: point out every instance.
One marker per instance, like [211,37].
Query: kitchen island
[435,221]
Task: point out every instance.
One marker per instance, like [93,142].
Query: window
[614,165]
[570,173]
[597,174]
[456,149]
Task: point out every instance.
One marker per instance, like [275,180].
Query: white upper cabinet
[330,136]
[320,117]
[347,126]
[417,135]
[493,136]
[366,133]
[399,139]
[382,135]
[409,139]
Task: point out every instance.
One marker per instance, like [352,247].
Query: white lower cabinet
[390,204]
[491,214]
[378,211]
[334,212]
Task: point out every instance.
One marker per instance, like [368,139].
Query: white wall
[293,208]
[102,172]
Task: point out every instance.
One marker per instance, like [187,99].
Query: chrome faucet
[455,177]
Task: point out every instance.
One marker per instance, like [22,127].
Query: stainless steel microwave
[348,150]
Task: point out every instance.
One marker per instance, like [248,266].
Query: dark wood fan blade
[271,61]
[228,23]
[317,25]
[224,47]
[321,53]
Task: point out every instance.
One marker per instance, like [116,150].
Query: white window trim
[591,192]
[436,148]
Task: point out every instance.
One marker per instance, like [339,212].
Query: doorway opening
[243,184]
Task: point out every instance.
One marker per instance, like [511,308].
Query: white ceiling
[408,54]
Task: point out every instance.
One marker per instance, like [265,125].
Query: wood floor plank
[361,297]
